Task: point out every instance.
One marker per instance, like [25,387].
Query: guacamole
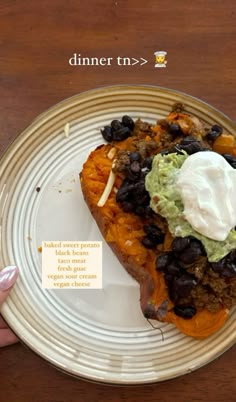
[166,201]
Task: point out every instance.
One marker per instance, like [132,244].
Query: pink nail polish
[8,277]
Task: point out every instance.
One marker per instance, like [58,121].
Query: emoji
[160,58]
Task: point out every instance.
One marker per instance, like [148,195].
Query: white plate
[99,335]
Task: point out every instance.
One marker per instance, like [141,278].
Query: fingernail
[8,277]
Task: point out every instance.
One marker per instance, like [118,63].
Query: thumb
[8,276]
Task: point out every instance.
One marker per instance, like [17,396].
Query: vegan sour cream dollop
[207,184]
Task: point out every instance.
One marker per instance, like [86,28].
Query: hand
[8,278]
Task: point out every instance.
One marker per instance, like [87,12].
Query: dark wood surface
[36,41]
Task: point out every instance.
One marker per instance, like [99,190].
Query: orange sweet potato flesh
[224,144]
[123,232]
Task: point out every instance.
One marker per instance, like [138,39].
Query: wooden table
[36,41]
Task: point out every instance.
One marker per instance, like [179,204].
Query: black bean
[193,147]
[151,229]
[214,132]
[122,195]
[147,162]
[140,210]
[143,200]
[127,206]
[128,122]
[149,311]
[121,134]
[135,156]
[135,167]
[133,176]
[195,243]
[219,265]
[123,192]
[229,270]
[107,133]
[154,232]
[174,269]
[139,187]
[178,149]
[175,129]
[129,186]
[127,183]
[212,135]
[144,173]
[180,243]
[230,159]
[218,128]
[182,286]
[148,211]
[148,242]
[116,125]
[192,253]
[167,151]
[157,238]
[163,260]
[186,312]
[232,256]
[188,140]
[226,267]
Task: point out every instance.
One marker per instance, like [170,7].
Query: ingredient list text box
[72,264]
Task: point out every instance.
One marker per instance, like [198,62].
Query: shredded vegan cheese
[111,153]
[107,190]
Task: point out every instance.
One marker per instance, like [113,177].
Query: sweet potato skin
[123,232]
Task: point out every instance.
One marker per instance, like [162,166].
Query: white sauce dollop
[207,184]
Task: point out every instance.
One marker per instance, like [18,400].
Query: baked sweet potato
[124,231]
